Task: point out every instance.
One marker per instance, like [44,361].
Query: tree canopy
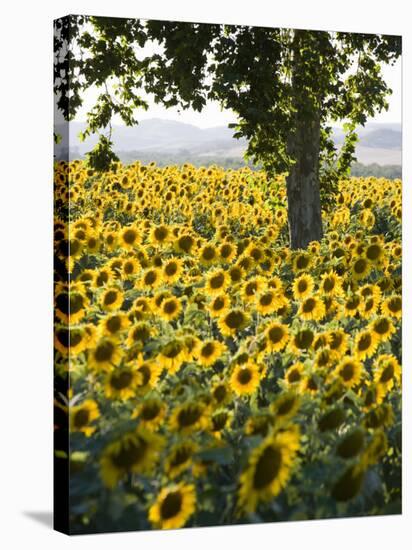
[275,81]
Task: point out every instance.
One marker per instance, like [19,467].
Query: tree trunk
[304,211]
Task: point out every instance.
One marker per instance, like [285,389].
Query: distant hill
[379,143]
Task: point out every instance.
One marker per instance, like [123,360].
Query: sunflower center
[267,467]
[302,285]
[171,269]
[129,236]
[235,274]
[304,339]
[244,376]
[150,411]
[208,349]
[382,326]
[294,376]
[225,251]
[218,304]
[286,406]
[309,305]
[235,319]
[275,334]
[353,303]
[172,350]
[217,280]
[81,418]
[302,262]
[169,307]
[364,342]
[373,252]
[141,333]
[387,373]
[121,380]
[146,373]
[185,243]
[251,288]
[104,352]
[131,453]
[171,505]
[360,266]
[110,297]
[395,305]
[180,456]
[347,372]
[328,284]
[220,393]
[113,324]
[208,253]
[188,416]
[266,299]
[150,277]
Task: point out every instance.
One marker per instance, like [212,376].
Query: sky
[213,115]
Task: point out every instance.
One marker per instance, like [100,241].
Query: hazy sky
[213,115]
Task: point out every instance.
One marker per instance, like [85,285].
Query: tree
[285,86]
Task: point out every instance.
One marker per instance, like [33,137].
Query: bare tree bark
[304,209]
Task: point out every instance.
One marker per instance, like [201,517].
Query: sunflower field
[214,375]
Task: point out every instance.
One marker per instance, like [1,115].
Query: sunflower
[71,306]
[387,371]
[151,413]
[173,355]
[285,406]
[269,469]
[134,452]
[219,421]
[217,281]
[180,457]
[113,325]
[331,284]
[259,424]
[221,393]
[245,378]
[189,417]
[312,308]
[251,288]
[360,268]
[294,374]
[392,306]
[138,334]
[301,262]
[374,253]
[208,254]
[81,416]
[277,336]
[130,268]
[268,302]
[368,307]
[160,235]
[232,322]
[219,305]
[129,237]
[173,506]
[338,341]
[71,340]
[172,270]
[227,252]
[152,278]
[209,351]
[303,286]
[301,341]
[150,372]
[111,299]
[121,382]
[170,308]
[349,371]
[365,344]
[105,355]
[382,328]
[184,244]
